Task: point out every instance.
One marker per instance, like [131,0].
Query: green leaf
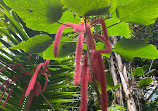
[52,28]
[62,100]
[152,106]
[36,44]
[42,15]
[139,11]
[109,81]
[14,23]
[38,11]
[116,86]
[7,34]
[138,72]
[130,48]
[87,7]
[100,45]
[114,4]
[65,66]
[65,49]
[116,107]
[145,82]
[120,29]
[122,2]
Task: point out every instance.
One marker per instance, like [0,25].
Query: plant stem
[65,24]
[151,65]
[47,102]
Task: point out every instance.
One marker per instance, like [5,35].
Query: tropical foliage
[31,30]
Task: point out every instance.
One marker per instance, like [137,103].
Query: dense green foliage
[30,26]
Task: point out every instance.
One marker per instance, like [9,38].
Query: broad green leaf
[139,11]
[52,28]
[122,2]
[114,4]
[65,49]
[48,54]
[38,11]
[87,7]
[99,46]
[130,48]
[145,82]
[120,29]
[138,72]
[42,15]
[36,44]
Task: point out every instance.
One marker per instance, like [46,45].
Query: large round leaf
[120,29]
[130,48]
[42,15]
[139,11]
[87,7]
[40,11]
[36,44]
[65,48]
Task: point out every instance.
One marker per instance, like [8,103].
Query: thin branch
[65,24]
[111,25]
[47,102]
[113,71]
[151,65]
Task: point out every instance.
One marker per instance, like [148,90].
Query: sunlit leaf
[116,86]
[130,48]
[116,107]
[99,46]
[42,15]
[114,4]
[145,82]
[38,11]
[139,11]
[36,44]
[66,48]
[120,29]
[138,72]
[87,7]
